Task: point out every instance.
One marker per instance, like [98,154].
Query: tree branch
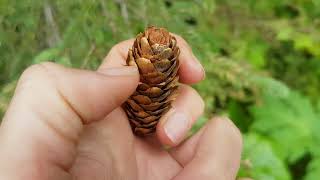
[53,35]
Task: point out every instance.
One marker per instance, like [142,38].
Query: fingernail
[120,71]
[198,65]
[177,126]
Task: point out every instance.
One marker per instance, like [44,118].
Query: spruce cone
[156,54]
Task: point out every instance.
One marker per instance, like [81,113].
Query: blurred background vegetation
[262,60]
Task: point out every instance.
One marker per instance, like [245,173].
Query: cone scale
[156,54]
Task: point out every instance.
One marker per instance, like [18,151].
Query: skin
[65,124]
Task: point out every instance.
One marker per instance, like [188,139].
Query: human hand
[66,124]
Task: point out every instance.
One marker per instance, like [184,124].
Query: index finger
[190,71]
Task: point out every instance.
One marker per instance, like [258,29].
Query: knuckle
[35,74]
[31,72]
[122,46]
[115,47]
[48,64]
[234,134]
[35,69]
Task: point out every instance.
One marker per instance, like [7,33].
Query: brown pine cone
[156,54]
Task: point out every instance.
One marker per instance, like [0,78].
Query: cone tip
[157,35]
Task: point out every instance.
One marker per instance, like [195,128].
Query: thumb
[47,113]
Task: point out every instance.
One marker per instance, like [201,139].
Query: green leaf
[260,161]
[271,87]
[285,34]
[255,53]
[238,112]
[303,41]
[289,122]
[313,170]
[47,55]
[53,55]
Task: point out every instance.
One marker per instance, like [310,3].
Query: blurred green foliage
[262,60]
